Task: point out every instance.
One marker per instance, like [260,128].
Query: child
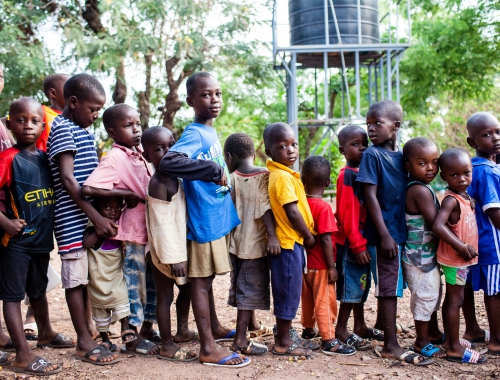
[384,178]
[197,158]
[72,157]
[250,241]
[166,223]
[27,237]
[294,226]
[455,225]
[124,172]
[107,288]
[419,253]
[353,259]
[484,137]
[319,303]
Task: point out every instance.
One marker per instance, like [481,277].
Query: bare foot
[169,350]
[184,336]
[474,335]
[221,332]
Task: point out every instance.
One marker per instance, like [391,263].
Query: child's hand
[14,226]
[388,247]
[223,180]
[179,270]
[132,200]
[466,252]
[332,275]
[309,241]
[273,246]
[362,258]
[104,227]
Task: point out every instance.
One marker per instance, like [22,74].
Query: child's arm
[103,226]
[298,223]
[131,199]
[91,239]
[494,215]
[419,200]
[11,226]
[450,208]
[387,244]
[327,247]
[273,245]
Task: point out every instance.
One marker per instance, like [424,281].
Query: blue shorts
[354,281]
[389,279]
[286,281]
[485,278]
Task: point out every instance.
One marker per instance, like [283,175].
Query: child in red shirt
[319,301]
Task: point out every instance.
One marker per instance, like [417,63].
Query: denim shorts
[389,280]
[354,281]
[286,281]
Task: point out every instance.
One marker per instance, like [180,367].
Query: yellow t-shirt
[286,187]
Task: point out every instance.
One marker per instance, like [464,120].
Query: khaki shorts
[166,269]
[74,269]
[208,258]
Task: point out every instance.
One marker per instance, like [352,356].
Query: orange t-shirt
[465,230]
[49,115]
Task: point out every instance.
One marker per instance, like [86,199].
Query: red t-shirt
[324,222]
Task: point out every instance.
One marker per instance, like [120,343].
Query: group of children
[155,212]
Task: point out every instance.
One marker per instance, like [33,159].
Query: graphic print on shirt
[215,154]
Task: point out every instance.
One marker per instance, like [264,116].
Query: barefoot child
[250,241]
[484,137]
[166,223]
[72,155]
[107,289]
[384,178]
[124,172]
[27,237]
[353,260]
[319,302]
[294,226]
[455,225]
[197,158]
[419,253]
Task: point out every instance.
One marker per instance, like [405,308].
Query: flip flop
[261,332]
[373,334]
[428,351]
[410,357]
[30,331]
[142,349]
[4,359]
[36,368]
[358,343]
[342,350]
[289,351]
[484,339]
[101,351]
[59,341]
[252,349]
[229,337]
[126,333]
[469,357]
[181,355]
[222,362]
[154,336]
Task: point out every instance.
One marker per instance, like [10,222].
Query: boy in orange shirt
[53,88]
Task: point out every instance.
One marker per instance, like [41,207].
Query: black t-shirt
[26,179]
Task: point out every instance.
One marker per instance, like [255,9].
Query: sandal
[469,357]
[261,332]
[4,358]
[143,348]
[127,333]
[414,358]
[252,349]
[37,368]
[59,341]
[429,351]
[101,351]
[463,342]
[310,336]
[358,343]
[30,331]
[222,362]
[342,349]
[9,346]
[181,355]
[290,351]
[373,334]
[111,347]
[154,336]
[304,343]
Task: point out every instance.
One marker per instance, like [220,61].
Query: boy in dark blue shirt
[384,176]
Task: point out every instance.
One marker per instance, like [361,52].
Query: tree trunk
[92,15]
[145,96]
[120,92]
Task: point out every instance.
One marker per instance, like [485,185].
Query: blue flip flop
[229,337]
[222,362]
[428,351]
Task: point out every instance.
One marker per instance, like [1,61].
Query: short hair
[272,130]
[346,133]
[240,145]
[192,81]
[389,108]
[412,145]
[448,156]
[114,113]
[315,171]
[18,104]
[51,82]
[150,135]
[84,87]
[478,121]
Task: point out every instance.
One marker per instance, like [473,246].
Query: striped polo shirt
[69,220]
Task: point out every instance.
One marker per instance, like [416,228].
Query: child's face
[154,152]
[110,208]
[207,98]
[423,164]
[86,112]
[486,138]
[458,175]
[126,130]
[354,147]
[285,148]
[380,127]
[26,123]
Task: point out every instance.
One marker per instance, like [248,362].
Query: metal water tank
[307,22]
